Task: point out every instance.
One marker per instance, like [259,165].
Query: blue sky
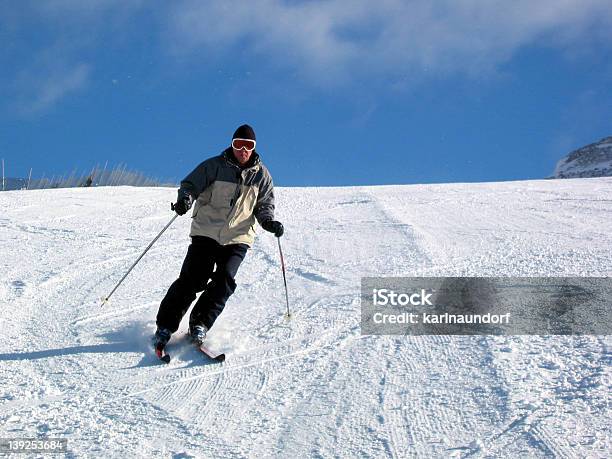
[339,92]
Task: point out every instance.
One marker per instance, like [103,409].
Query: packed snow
[312,386]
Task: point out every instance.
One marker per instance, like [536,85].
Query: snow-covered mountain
[313,386]
[594,160]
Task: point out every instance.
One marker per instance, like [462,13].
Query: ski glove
[183,202]
[274,227]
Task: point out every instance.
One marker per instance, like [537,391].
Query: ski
[211,355]
[207,352]
[161,354]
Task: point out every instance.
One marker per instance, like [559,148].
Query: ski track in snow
[312,386]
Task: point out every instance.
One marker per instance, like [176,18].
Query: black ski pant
[198,269]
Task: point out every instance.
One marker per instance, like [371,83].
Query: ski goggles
[247,144]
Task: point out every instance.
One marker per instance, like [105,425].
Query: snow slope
[311,387]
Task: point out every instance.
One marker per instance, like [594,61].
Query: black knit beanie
[244,132]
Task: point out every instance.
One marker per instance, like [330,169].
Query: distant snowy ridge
[594,160]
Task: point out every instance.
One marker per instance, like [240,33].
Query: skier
[228,193]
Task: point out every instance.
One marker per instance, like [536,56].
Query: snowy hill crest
[594,160]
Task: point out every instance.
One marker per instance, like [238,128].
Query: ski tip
[162,355]
[220,358]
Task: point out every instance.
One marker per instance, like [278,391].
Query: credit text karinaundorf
[385,297]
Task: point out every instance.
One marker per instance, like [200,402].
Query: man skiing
[228,193]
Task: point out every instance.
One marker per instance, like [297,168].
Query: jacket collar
[253,163]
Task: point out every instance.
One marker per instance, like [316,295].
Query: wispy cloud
[47,55]
[324,42]
[415,38]
[41,90]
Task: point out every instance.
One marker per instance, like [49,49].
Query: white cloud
[42,90]
[336,37]
[47,55]
[325,41]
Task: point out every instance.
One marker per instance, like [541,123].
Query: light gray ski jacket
[229,198]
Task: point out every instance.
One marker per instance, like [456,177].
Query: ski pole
[288,314]
[105,300]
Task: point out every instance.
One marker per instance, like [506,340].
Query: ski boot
[161,337]
[198,334]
